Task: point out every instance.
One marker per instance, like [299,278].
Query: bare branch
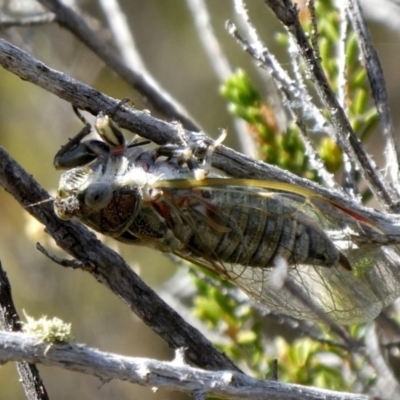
[9,320]
[151,373]
[211,45]
[295,94]
[272,90]
[386,383]
[314,31]
[378,87]
[122,36]
[233,163]
[300,105]
[160,100]
[314,158]
[349,165]
[43,19]
[288,15]
[219,63]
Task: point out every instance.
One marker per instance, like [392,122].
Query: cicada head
[93,195]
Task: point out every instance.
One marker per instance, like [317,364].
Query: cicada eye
[98,195]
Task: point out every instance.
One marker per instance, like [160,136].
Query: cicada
[243,230]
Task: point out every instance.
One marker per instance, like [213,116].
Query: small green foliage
[303,361]
[361,111]
[310,363]
[331,154]
[284,149]
[48,330]
[239,90]
[359,106]
[236,322]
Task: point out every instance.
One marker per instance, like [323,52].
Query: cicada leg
[76,152]
[198,157]
[183,155]
[109,130]
[111,133]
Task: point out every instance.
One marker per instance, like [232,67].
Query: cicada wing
[343,296]
[333,291]
[346,296]
[306,199]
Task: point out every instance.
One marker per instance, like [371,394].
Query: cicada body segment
[239,229]
[237,225]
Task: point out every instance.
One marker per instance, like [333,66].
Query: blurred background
[33,126]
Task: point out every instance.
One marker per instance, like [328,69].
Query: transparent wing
[346,296]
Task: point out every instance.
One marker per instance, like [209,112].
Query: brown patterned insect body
[240,229]
[234,225]
[224,223]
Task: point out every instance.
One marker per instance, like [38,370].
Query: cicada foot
[109,130]
[197,157]
[169,243]
[112,134]
[182,155]
[77,153]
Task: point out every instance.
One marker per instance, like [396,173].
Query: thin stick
[233,163]
[10,321]
[287,13]
[43,19]
[220,64]
[160,100]
[377,82]
[174,375]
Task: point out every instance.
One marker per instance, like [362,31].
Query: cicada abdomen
[239,229]
[241,225]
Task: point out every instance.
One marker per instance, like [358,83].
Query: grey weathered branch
[174,375]
[9,321]
[139,80]
[287,13]
[294,93]
[378,88]
[43,19]
[233,163]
